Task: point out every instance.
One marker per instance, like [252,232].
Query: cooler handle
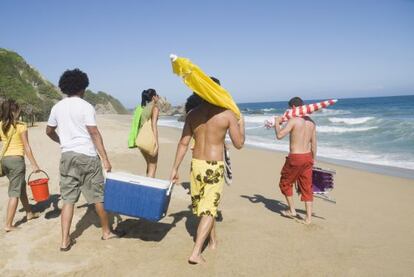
[170,188]
[135,182]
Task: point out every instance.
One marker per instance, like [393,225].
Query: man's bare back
[209,125]
[302,135]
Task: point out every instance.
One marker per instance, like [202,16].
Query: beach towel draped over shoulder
[135,127]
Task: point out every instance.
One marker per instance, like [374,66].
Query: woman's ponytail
[147,96]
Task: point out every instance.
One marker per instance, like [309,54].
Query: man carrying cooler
[299,162]
[80,140]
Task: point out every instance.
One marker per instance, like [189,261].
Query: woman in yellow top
[150,110]
[13,160]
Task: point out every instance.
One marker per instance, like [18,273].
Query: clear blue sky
[261,50]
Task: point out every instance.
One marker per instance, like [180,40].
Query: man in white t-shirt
[80,141]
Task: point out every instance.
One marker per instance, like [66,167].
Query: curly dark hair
[192,102]
[73,81]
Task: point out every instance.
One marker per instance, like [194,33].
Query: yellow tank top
[16,147]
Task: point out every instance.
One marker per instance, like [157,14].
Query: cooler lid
[139,180]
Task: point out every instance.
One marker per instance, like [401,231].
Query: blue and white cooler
[137,196]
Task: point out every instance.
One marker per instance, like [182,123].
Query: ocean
[375,133]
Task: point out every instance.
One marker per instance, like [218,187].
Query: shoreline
[385,170]
[391,171]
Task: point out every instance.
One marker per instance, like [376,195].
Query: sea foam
[258,119]
[351,120]
[333,129]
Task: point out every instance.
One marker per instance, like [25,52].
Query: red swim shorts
[298,167]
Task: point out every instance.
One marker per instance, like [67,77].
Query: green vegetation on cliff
[21,82]
[105,99]
[36,95]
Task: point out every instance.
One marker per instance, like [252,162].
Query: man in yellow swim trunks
[209,125]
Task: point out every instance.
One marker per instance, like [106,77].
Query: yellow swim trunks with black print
[207,180]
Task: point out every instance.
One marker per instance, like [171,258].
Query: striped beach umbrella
[307,109]
[302,111]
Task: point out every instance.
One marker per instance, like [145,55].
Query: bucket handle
[44,172]
[170,188]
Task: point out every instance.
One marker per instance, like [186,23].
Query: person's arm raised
[236,131]
[28,151]
[281,133]
[154,122]
[181,150]
[98,142]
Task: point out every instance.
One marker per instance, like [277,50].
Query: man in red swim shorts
[299,162]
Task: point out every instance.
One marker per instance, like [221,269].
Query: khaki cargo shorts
[81,173]
[15,169]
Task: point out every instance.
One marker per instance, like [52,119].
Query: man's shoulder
[83,102]
[58,104]
[225,114]
[301,120]
[296,120]
[73,102]
[309,119]
[88,105]
[216,112]
[61,103]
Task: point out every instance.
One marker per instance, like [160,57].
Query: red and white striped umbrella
[302,111]
[307,109]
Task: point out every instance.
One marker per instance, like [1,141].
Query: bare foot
[10,229]
[109,236]
[305,221]
[67,247]
[31,215]
[196,260]
[288,213]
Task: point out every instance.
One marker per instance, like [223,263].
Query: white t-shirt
[71,116]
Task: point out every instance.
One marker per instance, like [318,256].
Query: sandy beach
[367,233]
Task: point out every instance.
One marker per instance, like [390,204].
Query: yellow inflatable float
[201,84]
